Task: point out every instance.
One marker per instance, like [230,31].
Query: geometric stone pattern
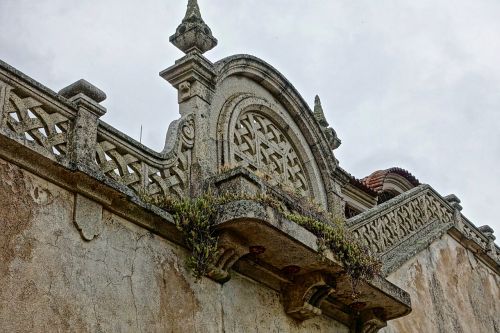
[261,146]
[28,118]
[395,223]
[470,232]
[143,177]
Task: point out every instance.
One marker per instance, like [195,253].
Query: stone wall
[125,280]
[451,291]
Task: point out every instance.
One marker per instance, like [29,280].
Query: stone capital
[192,75]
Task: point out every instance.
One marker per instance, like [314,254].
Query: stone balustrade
[419,213]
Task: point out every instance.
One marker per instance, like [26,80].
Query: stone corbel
[371,321]
[231,248]
[303,298]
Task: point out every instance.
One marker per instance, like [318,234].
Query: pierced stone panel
[261,146]
[130,169]
[398,222]
[35,123]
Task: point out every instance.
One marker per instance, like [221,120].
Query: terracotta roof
[375,181]
[357,182]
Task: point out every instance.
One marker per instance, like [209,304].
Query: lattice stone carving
[33,121]
[471,233]
[392,226]
[132,170]
[261,146]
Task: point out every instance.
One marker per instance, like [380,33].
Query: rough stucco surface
[451,291]
[125,280]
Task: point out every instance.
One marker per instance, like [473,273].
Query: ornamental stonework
[262,147]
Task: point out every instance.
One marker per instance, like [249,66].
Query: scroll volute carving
[371,321]
[231,249]
[303,298]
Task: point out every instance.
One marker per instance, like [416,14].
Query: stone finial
[83,87]
[318,112]
[193,33]
[454,201]
[487,231]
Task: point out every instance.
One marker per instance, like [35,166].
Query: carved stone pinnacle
[318,112]
[193,34]
[330,133]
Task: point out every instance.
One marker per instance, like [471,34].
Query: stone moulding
[401,227]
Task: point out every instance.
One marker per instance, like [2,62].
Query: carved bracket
[371,321]
[231,248]
[303,298]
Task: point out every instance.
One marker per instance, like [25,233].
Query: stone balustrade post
[454,202]
[84,133]
[4,94]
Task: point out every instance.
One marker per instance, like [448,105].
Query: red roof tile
[375,181]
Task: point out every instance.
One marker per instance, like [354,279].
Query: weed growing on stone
[196,219]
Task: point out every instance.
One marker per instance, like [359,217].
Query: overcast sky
[414,84]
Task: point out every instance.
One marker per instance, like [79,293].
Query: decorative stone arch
[254,135]
[287,116]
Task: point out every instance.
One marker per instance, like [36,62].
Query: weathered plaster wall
[451,291]
[125,280]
